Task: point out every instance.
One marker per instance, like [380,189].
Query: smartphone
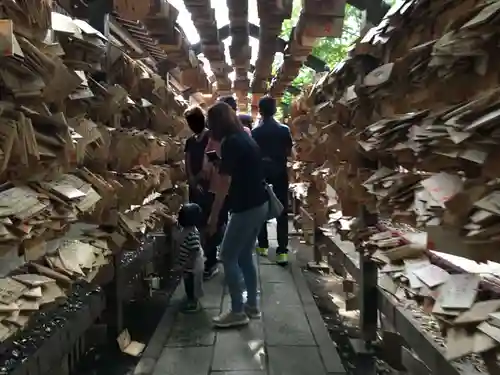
[212,156]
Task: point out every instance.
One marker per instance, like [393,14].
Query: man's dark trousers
[280,187]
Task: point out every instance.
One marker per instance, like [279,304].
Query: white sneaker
[230,319]
[252,312]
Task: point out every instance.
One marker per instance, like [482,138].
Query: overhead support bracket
[375,10]
[312,62]
[97,11]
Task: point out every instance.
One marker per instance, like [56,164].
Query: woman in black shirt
[242,181]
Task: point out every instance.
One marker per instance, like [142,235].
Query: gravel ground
[469,364]
[342,324]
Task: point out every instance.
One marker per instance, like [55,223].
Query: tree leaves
[330,50]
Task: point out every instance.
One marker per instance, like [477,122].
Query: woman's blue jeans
[237,251]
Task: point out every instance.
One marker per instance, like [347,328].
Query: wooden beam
[375,10]
[97,12]
[125,36]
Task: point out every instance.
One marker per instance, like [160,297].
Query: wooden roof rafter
[135,36]
[138,32]
[312,62]
[159,18]
[272,15]
[317,19]
[149,29]
[240,50]
[203,17]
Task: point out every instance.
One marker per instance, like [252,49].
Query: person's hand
[211,225]
[193,182]
[177,268]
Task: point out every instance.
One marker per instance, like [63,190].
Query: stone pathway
[289,339]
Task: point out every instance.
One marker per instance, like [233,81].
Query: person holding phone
[213,240]
[239,184]
[213,157]
[211,174]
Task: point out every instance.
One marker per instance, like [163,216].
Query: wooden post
[318,264]
[368,297]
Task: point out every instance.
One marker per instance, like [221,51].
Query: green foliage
[334,50]
[330,50]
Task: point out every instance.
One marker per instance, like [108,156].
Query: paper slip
[431,275]
[460,291]
[490,203]
[388,268]
[417,238]
[414,281]
[494,319]
[442,186]
[380,236]
[479,312]
[483,342]
[459,343]
[128,346]
[412,265]
[438,308]
[10,290]
[33,280]
[416,263]
[34,293]
[490,330]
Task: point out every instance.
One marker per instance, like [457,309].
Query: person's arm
[288,142]
[207,167]
[254,135]
[220,194]
[226,167]
[189,174]
[247,130]
[187,161]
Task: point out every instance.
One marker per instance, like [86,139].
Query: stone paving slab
[238,373]
[271,258]
[291,329]
[279,294]
[240,349]
[193,329]
[184,361]
[213,292]
[287,326]
[272,274]
[295,360]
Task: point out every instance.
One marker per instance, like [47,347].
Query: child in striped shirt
[190,255]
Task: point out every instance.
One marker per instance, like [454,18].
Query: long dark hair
[222,121]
